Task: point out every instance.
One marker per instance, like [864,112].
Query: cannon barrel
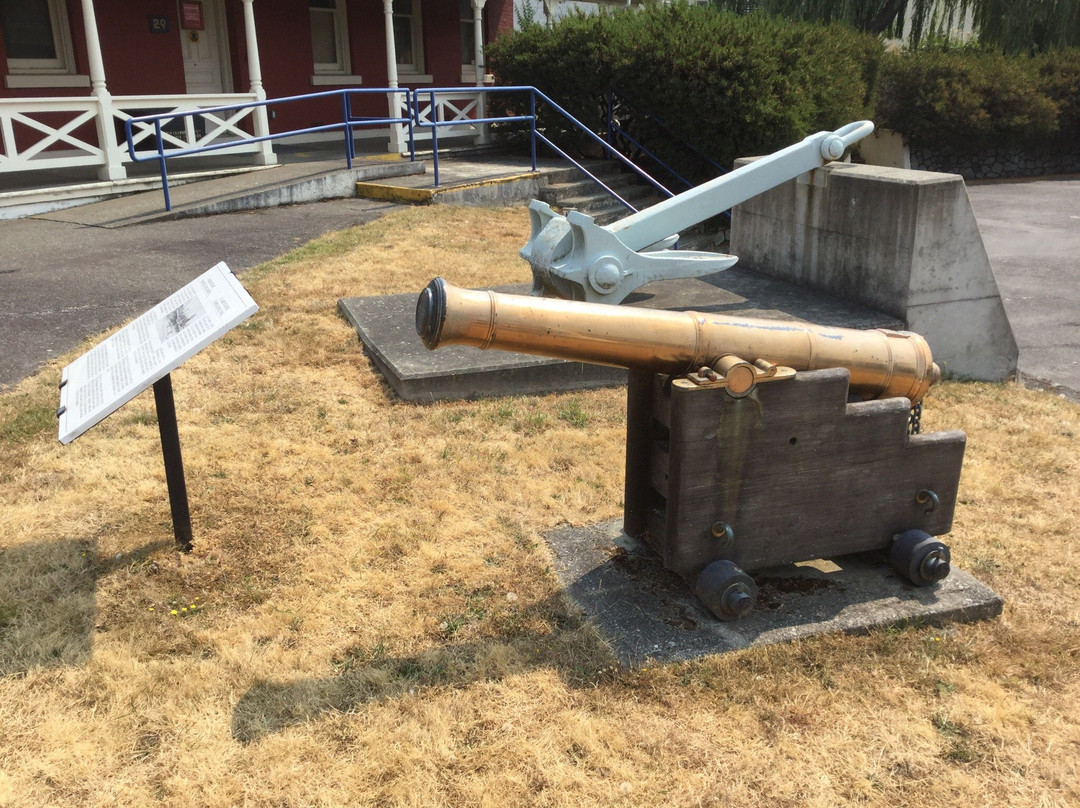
[882,363]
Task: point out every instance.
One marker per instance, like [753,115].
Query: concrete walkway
[66,276]
[287,183]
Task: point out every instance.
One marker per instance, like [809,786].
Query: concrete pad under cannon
[645,612]
[386,327]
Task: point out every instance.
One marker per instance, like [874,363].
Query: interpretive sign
[142,354]
[116,370]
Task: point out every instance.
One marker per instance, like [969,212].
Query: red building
[72,71]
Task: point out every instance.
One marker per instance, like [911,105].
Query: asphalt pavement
[1031,230]
[63,281]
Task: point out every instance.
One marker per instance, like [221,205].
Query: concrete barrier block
[903,242]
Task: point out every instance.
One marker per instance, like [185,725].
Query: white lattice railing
[39,133]
[188,131]
[448,108]
[45,133]
[459,106]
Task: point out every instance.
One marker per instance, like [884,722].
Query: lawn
[369,616]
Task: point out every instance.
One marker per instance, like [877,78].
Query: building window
[329,42]
[408,36]
[37,37]
[468,40]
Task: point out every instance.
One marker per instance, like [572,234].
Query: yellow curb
[393,193]
[464,186]
[424,196]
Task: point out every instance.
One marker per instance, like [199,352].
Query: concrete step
[633,194]
[605,208]
[705,239]
[611,213]
[599,168]
[617,211]
[585,187]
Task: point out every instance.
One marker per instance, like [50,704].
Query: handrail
[614,128]
[434,124]
[411,119]
[348,122]
[534,95]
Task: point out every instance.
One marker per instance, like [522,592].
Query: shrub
[741,85]
[967,100]
[730,85]
[554,59]
[1059,77]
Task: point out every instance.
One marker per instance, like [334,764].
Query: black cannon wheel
[727,591]
[920,557]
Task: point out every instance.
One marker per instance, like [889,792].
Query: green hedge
[967,100]
[742,85]
[1059,78]
[731,85]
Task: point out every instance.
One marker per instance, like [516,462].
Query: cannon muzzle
[882,363]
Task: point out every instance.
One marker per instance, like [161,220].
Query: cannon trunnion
[721,486]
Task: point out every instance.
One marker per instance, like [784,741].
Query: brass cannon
[727,474]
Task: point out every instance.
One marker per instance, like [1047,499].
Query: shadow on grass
[571,648]
[47,606]
[643,611]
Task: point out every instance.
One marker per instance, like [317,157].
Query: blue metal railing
[434,123]
[614,130]
[347,124]
[534,95]
[412,120]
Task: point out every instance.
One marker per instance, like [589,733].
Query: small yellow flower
[150,609]
[174,612]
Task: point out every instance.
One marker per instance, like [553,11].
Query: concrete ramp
[284,184]
[903,242]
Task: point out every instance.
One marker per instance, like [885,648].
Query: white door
[206,64]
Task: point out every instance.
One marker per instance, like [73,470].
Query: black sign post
[174,462]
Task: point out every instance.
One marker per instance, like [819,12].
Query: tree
[1028,26]
[873,16]
[1012,26]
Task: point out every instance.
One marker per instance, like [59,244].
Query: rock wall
[997,163]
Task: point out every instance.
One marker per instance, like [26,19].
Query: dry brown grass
[371,618]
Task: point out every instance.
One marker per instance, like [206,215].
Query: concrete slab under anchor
[646,612]
[386,326]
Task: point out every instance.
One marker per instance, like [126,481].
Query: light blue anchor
[574,258]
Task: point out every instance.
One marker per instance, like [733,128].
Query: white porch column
[391,44]
[398,137]
[478,40]
[478,60]
[113,169]
[265,156]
